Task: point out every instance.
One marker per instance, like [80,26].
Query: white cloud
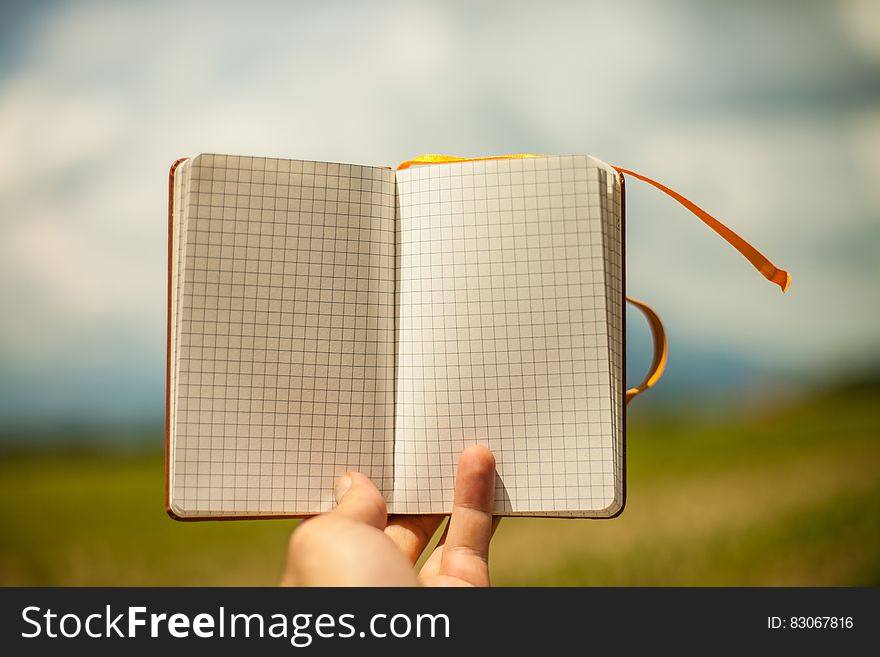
[861,19]
[47,136]
[106,95]
[865,145]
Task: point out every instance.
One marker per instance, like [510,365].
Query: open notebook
[332,317]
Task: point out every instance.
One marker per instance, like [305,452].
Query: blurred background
[756,459]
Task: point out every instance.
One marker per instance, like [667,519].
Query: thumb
[357,498]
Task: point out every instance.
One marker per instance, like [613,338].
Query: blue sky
[769,116]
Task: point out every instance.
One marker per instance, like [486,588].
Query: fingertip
[359,480]
[475,479]
[360,499]
[352,478]
[341,486]
[477,460]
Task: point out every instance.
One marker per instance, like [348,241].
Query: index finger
[466,550]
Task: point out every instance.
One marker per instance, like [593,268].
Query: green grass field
[789,498]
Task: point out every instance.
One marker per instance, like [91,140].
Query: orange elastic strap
[661,349]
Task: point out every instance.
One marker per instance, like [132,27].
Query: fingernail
[340,488]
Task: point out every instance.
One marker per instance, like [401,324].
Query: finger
[357,498]
[412,533]
[431,567]
[466,550]
[330,550]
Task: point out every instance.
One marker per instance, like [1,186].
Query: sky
[767,114]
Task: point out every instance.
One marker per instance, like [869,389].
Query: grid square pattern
[283,333]
[181,206]
[614,287]
[505,280]
[615,269]
[503,334]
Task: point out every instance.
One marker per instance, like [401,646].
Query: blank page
[504,329]
[282,309]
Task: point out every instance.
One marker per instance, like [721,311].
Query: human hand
[357,544]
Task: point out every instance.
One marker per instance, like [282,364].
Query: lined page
[283,334]
[503,335]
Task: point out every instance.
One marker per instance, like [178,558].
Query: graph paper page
[503,334]
[612,209]
[283,307]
